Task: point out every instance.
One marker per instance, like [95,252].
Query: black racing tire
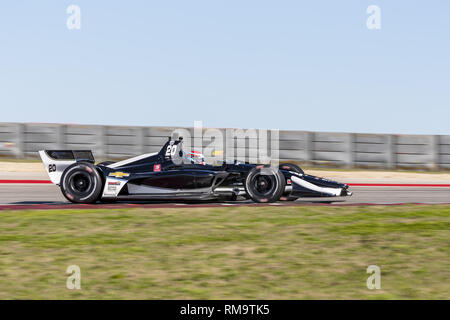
[105,163]
[286,196]
[291,167]
[81,183]
[264,184]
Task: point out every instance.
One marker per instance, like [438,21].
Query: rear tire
[81,183]
[264,184]
[286,196]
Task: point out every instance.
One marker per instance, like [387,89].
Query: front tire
[264,184]
[81,183]
[286,196]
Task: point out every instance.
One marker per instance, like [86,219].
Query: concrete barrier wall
[22,140]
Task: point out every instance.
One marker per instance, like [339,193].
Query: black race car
[174,174]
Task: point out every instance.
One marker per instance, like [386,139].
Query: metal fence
[22,140]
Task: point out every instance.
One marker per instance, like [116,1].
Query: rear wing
[56,161]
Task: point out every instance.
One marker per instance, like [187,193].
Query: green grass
[227,253]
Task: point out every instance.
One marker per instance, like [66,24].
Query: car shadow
[320,202]
[39,202]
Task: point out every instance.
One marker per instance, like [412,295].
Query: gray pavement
[51,194]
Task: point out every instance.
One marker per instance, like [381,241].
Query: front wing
[303,185]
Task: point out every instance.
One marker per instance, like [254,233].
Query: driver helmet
[196,157]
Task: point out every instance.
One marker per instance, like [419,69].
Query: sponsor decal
[112,185]
[288,181]
[118,174]
[157,167]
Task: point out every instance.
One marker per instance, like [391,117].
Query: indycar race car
[174,174]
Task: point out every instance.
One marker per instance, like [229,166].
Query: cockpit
[174,151]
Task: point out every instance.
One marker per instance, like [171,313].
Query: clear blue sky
[301,65]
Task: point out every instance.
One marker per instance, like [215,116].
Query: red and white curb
[25,181]
[420,185]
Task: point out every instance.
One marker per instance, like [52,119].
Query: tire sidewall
[94,190]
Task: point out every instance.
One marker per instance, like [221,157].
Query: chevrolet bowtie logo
[118,174]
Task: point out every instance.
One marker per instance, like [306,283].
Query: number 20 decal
[51,167]
[170,151]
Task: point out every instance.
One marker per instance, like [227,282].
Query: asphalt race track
[44,196]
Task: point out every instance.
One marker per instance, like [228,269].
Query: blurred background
[289,65]
[353,83]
